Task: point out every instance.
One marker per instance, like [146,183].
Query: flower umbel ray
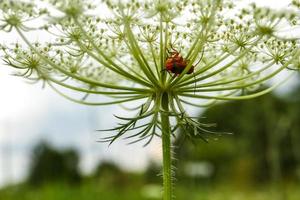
[211,56]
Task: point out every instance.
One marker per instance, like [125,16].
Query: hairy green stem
[166,146]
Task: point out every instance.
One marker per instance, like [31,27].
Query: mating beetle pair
[175,63]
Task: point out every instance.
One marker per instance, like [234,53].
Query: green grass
[93,190]
[234,193]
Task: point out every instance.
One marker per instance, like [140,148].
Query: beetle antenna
[173,47]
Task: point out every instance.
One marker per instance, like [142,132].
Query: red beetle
[175,63]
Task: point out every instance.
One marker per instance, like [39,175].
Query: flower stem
[166,146]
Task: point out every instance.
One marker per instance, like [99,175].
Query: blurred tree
[111,174]
[107,167]
[265,143]
[49,164]
[153,173]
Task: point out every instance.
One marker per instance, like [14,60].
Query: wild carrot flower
[119,49]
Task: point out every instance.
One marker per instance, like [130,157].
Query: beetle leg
[202,54]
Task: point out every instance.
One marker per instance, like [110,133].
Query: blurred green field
[259,162]
[92,190]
